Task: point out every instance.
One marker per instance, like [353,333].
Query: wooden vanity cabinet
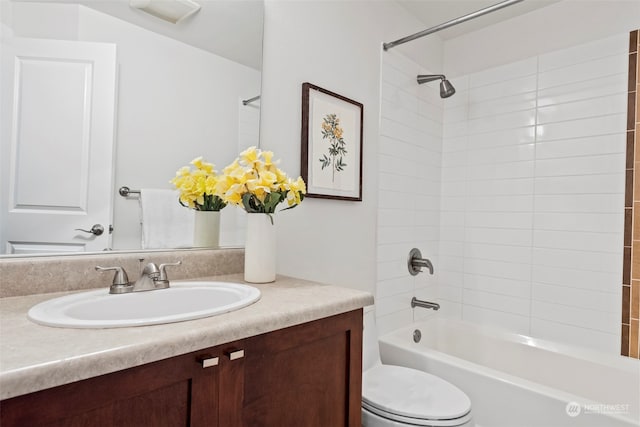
[306,375]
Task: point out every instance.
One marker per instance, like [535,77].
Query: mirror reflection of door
[57,145]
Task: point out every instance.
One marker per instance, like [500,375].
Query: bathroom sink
[182,301]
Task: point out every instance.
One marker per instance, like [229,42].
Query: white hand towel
[165,223]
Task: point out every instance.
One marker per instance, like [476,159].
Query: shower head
[446,88]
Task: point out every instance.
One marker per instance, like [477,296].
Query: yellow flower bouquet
[198,186]
[254,182]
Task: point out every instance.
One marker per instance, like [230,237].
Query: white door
[57,145]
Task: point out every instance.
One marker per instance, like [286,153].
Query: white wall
[409,169]
[337,46]
[560,25]
[175,102]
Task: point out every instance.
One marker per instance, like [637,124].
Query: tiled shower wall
[409,189]
[532,195]
[631,275]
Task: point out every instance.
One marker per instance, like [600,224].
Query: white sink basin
[182,301]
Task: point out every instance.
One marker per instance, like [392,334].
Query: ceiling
[435,12]
[229,28]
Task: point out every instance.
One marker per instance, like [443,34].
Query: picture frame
[331,154]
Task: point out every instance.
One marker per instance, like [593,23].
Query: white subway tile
[581,184]
[500,187]
[503,73]
[500,203]
[395,76]
[454,188]
[519,220]
[604,125]
[454,130]
[578,259]
[394,217]
[592,107]
[498,319]
[449,278]
[454,115]
[399,131]
[454,174]
[510,153]
[616,83]
[399,97]
[508,104]
[586,146]
[427,217]
[398,234]
[498,236]
[454,144]
[449,263]
[430,111]
[505,270]
[391,322]
[518,119]
[498,285]
[400,115]
[502,89]
[584,52]
[498,302]
[582,279]
[578,240]
[580,203]
[450,310]
[397,149]
[503,137]
[588,338]
[484,251]
[602,222]
[452,159]
[393,303]
[452,234]
[591,319]
[401,62]
[454,249]
[450,293]
[452,219]
[585,299]
[392,270]
[604,164]
[524,169]
[584,71]
[397,165]
[454,204]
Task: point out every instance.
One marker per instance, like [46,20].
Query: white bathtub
[514,380]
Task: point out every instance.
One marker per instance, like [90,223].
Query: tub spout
[415,302]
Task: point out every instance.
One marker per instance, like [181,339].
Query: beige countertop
[35,357]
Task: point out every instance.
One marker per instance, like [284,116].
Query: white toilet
[395,396]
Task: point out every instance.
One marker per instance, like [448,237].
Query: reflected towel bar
[126,191]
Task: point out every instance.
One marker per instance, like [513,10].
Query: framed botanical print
[331,162]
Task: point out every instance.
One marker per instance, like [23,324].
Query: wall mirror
[98,95]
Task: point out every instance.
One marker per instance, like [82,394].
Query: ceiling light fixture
[173,11]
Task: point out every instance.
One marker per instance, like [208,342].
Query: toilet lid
[407,392]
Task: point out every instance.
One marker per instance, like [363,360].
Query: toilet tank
[370,349]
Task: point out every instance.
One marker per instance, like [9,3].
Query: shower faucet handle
[415,262]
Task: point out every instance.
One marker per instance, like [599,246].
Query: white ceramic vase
[260,249]
[206,229]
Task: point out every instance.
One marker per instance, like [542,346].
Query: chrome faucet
[152,277]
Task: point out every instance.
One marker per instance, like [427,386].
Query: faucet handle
[163,271]
[120,277]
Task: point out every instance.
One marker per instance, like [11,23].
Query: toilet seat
[413,397]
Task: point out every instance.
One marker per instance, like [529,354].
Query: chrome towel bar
[126,191]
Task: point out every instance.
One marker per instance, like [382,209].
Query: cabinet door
[157,394]
[307,375]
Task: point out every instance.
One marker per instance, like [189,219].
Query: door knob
[97,230]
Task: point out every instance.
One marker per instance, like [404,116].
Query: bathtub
[514,380]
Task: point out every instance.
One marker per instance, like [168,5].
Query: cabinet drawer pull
[235,354]
[208,361]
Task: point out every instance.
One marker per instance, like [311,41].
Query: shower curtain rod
[450,23]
